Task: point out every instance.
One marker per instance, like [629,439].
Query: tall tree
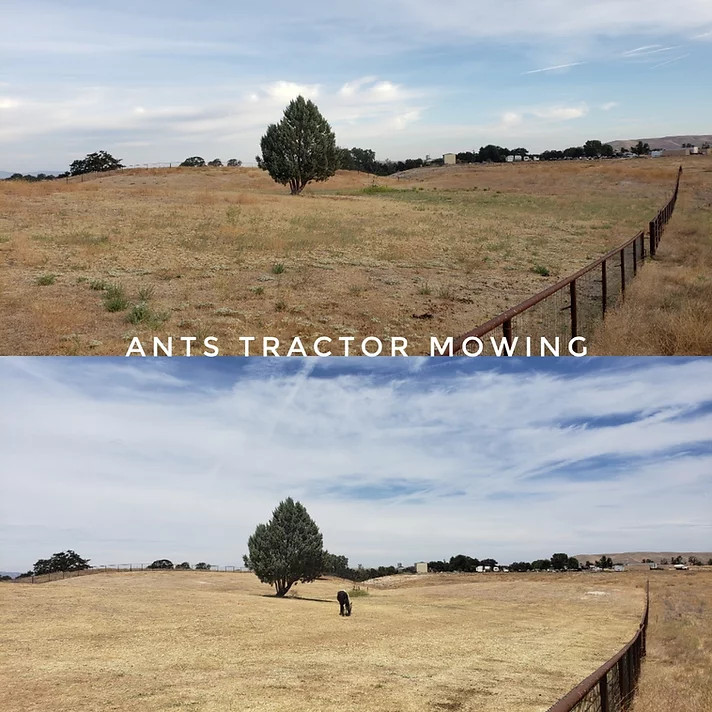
[63,561]
[301,148]
[289,548]
[559,561]
[97,162]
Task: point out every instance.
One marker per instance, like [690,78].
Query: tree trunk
[283,587]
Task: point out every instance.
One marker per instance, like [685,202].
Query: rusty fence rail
[612,686]
[120,568]
[572,307]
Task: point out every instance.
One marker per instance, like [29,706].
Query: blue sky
[159,81]
[397,460]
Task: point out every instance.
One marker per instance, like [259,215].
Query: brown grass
[667,308]
[677,674]
[208,641]
[459,244]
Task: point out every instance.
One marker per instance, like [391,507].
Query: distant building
[657,153]
[449,159]
[421,567]
[619,567]
[676,152]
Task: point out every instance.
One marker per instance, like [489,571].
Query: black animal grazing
[343,598]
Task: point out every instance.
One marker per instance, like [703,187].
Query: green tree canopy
[161,564]
[605,562]
[559,561]
[336,565]
[202,566]
[95,162]
[289,548]
[300,148]
[64,561]
[194,162]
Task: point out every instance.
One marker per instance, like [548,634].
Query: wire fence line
[120,568]
[611,688]
[574,306]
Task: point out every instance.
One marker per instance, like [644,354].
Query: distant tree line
[30,178]
[199,162]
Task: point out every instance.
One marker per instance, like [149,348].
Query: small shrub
[278,268]
[281,305]
[258,290]
[139,313]
[424,289]
[540,269]
[358,593]
[98,285]
[46,279]
[115,298]
[145,293]
[446,293]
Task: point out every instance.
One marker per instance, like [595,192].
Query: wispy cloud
[646,50]
[670,61]
[554,68]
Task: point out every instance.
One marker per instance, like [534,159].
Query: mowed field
[228,253]
[210,641]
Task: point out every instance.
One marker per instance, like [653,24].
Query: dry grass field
[667,310]
[677,674]
[227,253]
[209,641]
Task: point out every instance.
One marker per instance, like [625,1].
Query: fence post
[507,330]
[574,309]
[653,244]
[603,692]
[635,259]
[622,253]
[622,682]
[604,287]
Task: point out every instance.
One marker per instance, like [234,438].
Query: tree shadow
[299,598]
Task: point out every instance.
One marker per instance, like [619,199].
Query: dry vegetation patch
[209,641]
[667,309]
[677,674]
[456,244]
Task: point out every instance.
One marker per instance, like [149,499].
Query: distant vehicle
[681,567]
[654,566]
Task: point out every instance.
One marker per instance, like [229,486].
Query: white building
[449,159]
[421,567]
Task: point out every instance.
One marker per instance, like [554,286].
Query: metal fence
[547,322]
[612,686]
[117,568]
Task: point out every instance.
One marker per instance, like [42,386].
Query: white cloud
[511,118]
[350,88]
[560,113]
[286,91]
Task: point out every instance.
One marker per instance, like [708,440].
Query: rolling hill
[668,142]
